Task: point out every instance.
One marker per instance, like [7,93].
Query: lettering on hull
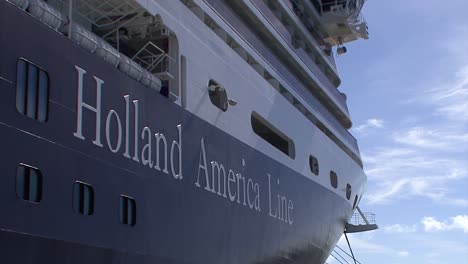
[150,153]
[155,150]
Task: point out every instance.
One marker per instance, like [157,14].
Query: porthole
[29,183]
[348,191]
[218,95]
[32,91]
[333,179]
[314,165]
[127,210]
[83,198]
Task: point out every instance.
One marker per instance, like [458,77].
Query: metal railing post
[362,215]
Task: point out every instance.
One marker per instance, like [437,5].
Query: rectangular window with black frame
[32,91]
[28,183]
[83,198]
[127,210]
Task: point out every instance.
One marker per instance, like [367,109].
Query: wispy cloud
[364,244]
[458,222]
[403,172]
[361,244]
[399,229]
[430,224]
[433,139]
[370,123]
[418,160]
[426,159]
[451,98]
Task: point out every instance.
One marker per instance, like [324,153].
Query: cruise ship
[176,131]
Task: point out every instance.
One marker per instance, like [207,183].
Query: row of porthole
[27,70]
[219,98]
[314,168]
[277,86]
[29,182]
[217,95]
[33,82]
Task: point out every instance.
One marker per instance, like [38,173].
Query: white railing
[348,9]
[362,218]
[103,13]
[154,59]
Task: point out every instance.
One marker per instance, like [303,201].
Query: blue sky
[407,90]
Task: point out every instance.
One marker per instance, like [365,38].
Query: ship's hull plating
[182,216]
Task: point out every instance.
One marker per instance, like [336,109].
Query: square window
[28,183]
[127,210]
[83,198]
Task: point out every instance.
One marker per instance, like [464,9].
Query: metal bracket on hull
[361,222]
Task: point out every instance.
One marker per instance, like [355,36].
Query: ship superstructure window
[32,91]
[348,191]
[314,165]
[83,198]
[333,179]
[28,183]
[218,95]
[127,210]
[272,135]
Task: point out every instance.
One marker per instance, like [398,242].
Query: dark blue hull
[181,216]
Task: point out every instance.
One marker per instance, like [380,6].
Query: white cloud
[428,158]
[455,201]
[451,98]
[431,224]
[458,222]
[362,243]
[370,123]
[425,157]
[450,95]
[432,188]
[359,245]
[433,139]
[404,172]
[422,163]
[424,160]
[398,228]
